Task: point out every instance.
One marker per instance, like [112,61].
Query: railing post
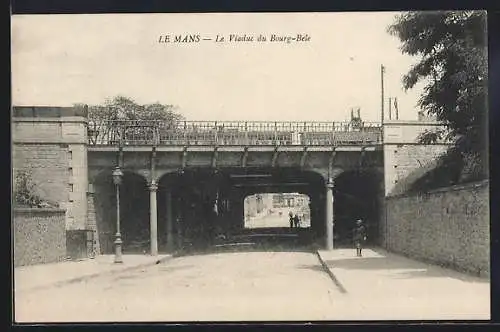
[216,134]
[184,134]
[113,132]
[156,133]
[332,142]
[275,133]
[121,136]
[246,134]
[380,138]
[90,134]
[303,135]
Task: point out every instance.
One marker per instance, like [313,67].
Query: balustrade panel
[140,132]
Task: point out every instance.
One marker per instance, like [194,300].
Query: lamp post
[329,214]
[117,180]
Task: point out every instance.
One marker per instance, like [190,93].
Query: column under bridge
[223,161]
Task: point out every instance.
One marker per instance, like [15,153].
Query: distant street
[273,220]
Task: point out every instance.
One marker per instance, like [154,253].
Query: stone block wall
[405,163]
[405,159]
[48,165]
[50,143]
[39,236]
[449,226]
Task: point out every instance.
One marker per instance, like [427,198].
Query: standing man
[359,236]
[290,217]
[296,221]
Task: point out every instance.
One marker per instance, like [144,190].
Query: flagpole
[396,108]
[390,108]
[382,70]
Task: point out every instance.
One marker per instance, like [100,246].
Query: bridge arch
[195,204]
[160,174]
[134,211]
[327,173]
[186,201]
[357,195]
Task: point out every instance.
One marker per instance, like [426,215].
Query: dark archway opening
[134,209]
[196,208]
[134,213]
[105,212]
[357,196]
[208,204]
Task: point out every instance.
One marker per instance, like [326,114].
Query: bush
[24,192]
[453,168]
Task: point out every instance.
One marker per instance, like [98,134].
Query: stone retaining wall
[39,236]
[450,227]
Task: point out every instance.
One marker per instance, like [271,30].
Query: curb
[330,274]
[95,275]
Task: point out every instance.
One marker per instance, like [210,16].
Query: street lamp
[117,180]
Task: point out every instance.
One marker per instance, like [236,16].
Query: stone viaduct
[176,177]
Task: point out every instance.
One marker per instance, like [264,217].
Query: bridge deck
[235,148]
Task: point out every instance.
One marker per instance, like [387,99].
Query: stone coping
[65,119]
[412,123]
[47,111]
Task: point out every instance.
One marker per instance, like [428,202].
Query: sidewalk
[383,285]
[34,277]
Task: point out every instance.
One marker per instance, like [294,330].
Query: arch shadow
[134,212]
[207,203]
[357,195]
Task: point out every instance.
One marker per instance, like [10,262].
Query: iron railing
[144,132]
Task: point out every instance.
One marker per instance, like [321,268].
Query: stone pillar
[92,223]
[179,216]
[382,222]
[237,215]
[329,215]
[240,212]
[170,235]
[153,218]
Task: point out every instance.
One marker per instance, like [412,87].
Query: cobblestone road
[221,287]
[265,286]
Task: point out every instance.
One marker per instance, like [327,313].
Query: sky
[60,60]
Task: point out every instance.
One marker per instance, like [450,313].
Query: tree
[452,47]
[122,117]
